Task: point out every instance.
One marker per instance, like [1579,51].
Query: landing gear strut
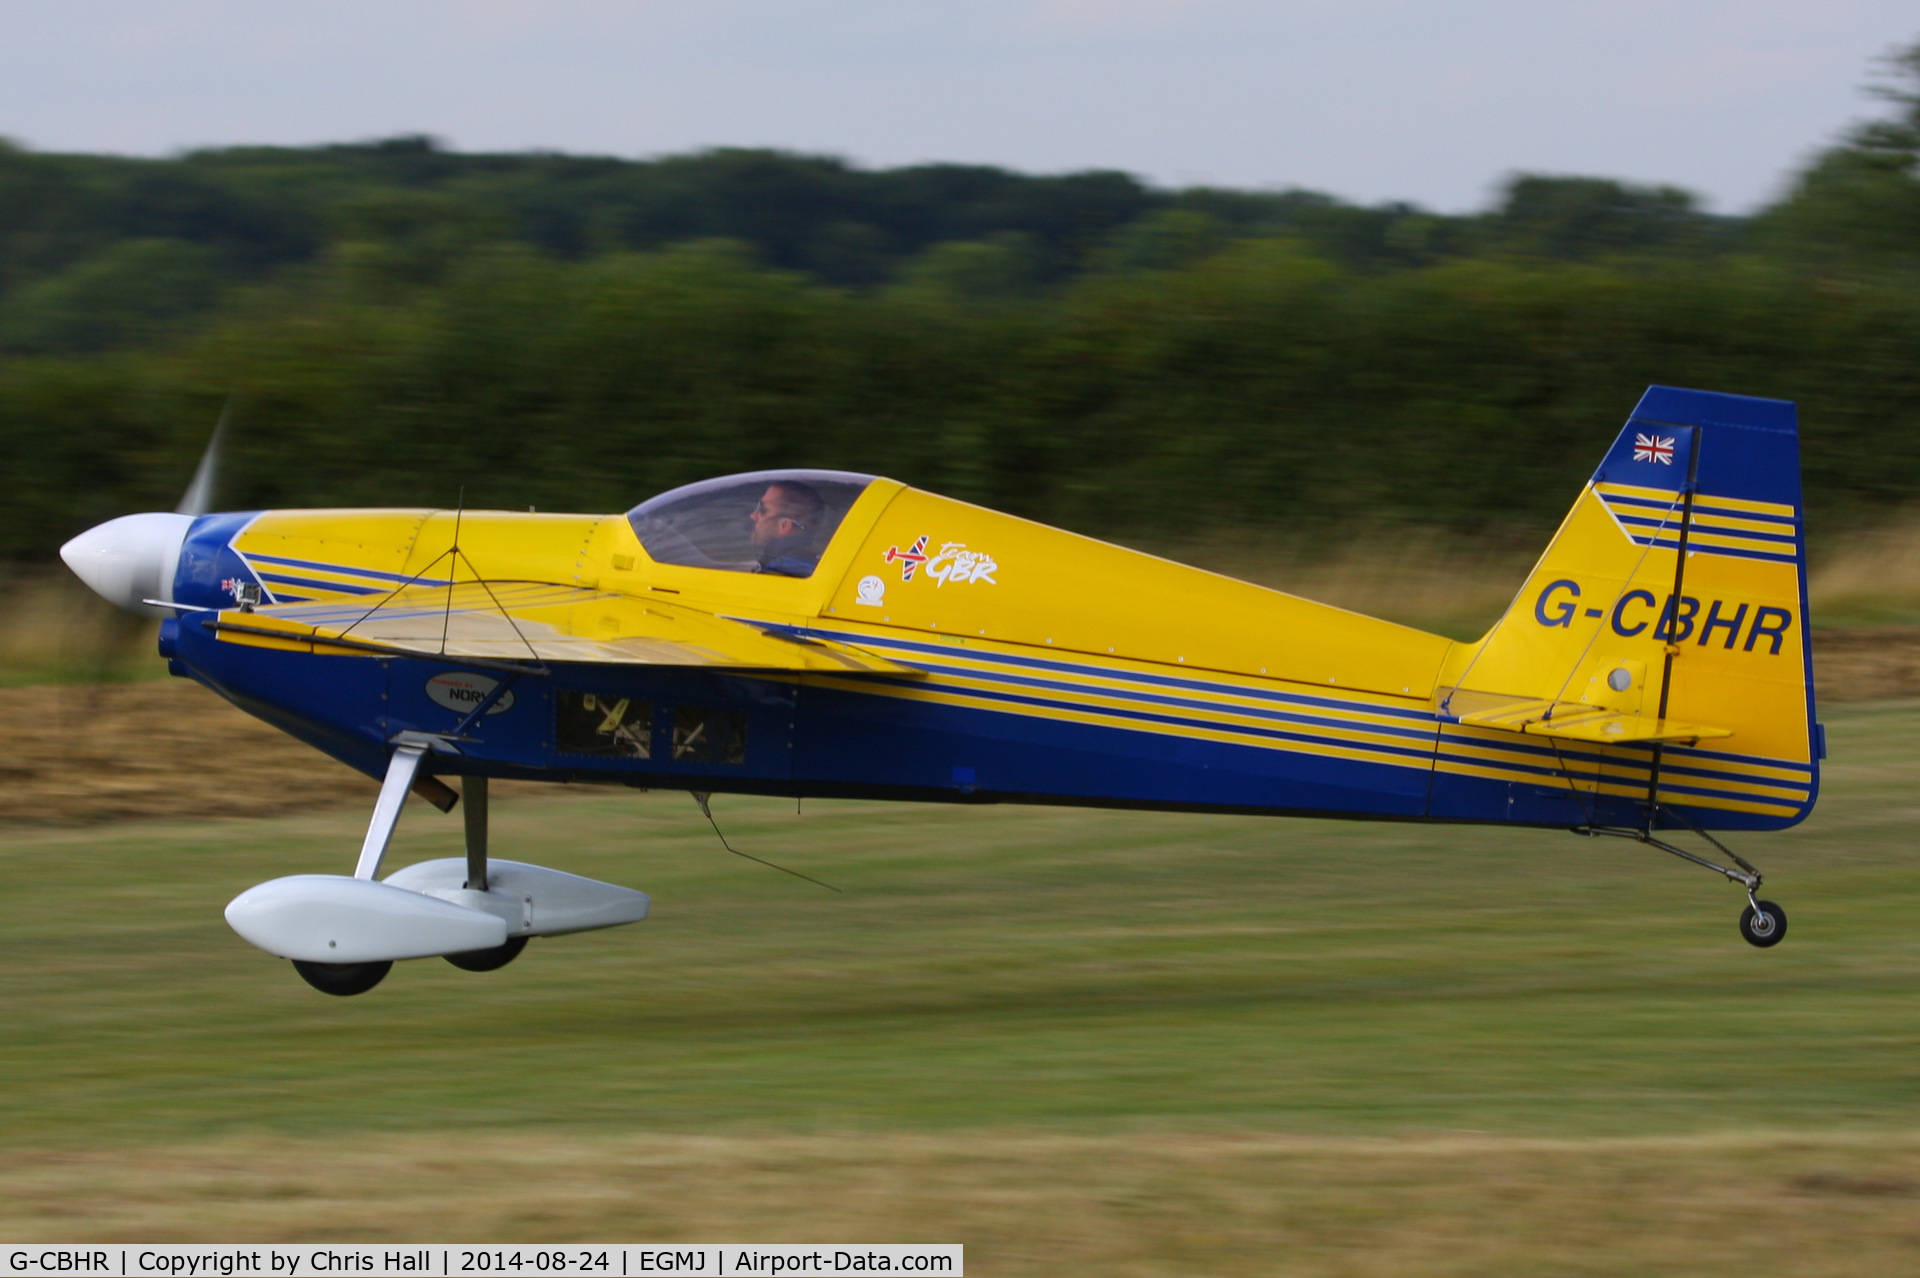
[473,792]
[343,980]
[1762,923]
[473,795]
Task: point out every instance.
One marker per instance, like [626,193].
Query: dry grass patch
[1869,577]
[1138,1203]
[73,753]
[53,629]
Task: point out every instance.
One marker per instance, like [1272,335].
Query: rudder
[1635,662]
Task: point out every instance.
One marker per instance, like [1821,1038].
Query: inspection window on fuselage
[601,724]
[771,521]
[709,736]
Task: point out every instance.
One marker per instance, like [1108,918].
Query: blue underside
[823,742]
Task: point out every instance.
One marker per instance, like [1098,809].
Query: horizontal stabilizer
[513,621]
[1576,721]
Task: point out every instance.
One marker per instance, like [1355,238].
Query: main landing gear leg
[1762,923]
[344,934]
[346,979]
[473,794]
[473,791]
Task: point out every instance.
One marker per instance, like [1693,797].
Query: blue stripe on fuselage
[399,579]
[309,584]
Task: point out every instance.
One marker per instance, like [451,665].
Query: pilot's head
[787,509]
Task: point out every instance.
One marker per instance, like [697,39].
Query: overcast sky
[1368,99]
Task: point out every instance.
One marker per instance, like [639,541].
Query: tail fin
[1671,608]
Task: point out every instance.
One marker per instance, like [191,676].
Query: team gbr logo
[951,564]
[1753,629]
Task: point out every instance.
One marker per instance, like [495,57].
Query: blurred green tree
[1860,200]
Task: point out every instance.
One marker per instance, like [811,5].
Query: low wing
[530,621]
[1576,721]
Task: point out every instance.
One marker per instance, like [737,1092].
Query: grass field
[1144,1044]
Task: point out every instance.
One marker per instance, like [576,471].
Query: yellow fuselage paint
[1047,589]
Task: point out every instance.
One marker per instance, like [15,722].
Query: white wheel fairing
[330,918]
[531,900]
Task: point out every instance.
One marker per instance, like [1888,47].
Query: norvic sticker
[462,692]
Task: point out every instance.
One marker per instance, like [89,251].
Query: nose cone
[129,559]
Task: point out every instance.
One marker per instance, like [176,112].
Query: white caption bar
[465,1260]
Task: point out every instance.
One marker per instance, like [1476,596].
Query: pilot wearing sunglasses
[784,521]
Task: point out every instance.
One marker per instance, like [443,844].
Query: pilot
[786,528]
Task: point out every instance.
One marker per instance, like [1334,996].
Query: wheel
[488,960]
[342,979]
[1764,928]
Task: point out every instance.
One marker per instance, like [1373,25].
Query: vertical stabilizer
[1668,618]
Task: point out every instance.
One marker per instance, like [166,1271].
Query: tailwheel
[488,960]
[342,979]
[1763,923]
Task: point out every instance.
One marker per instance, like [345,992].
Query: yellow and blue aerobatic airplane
[819,633]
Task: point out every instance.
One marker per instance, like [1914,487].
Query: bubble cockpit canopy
[772,521]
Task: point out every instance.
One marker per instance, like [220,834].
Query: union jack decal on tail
[1653,448]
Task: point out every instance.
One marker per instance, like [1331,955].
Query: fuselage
[1038,666]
